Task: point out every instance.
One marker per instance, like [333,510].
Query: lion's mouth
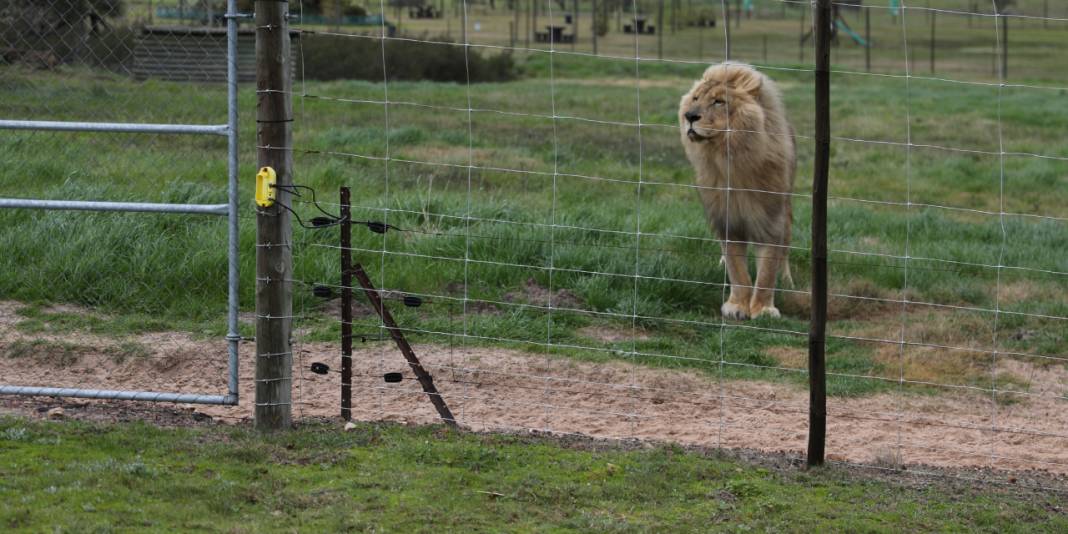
[694,136]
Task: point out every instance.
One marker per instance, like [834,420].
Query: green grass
[92,477]
[148,273]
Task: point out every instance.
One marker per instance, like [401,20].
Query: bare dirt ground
[496,389]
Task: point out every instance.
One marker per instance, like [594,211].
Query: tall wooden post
[817,333]
[274,254]
[346,304]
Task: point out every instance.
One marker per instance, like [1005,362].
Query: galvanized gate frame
[230,210]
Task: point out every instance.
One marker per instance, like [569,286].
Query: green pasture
[86,477]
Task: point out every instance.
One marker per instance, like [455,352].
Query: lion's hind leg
[769,259]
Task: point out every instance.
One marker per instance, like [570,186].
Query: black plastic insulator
[320,368]
[377,227]
[412,301]
[323,292]
[393,377]
[320,222]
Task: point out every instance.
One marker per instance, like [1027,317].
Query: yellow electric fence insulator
[265,187]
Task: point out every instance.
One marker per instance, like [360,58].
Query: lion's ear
[748,81]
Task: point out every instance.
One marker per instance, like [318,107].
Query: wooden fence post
[346,304]
[274,254]
[817,334]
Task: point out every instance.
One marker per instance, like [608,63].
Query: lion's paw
[767,311]
[734,311]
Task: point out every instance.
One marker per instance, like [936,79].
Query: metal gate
[229,210]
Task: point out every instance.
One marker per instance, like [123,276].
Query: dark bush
[336,57]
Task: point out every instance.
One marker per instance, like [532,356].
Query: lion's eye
[718,102]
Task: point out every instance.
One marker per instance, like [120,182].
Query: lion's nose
[692,116]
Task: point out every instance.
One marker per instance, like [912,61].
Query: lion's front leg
[769,258]
[737,306]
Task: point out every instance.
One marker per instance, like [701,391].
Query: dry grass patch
[789,357]
[862,300]
[608,334]
[55,353]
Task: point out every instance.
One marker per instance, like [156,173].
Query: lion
[736,136]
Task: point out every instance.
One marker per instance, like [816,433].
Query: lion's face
[719,101]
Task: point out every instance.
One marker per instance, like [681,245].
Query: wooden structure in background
[194,54]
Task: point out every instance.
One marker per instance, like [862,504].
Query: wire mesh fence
[568,282]
[523,207]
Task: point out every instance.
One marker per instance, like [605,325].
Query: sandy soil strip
[490,389]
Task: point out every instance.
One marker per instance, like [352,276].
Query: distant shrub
[337,57]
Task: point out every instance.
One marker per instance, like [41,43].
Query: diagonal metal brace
[395,332]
